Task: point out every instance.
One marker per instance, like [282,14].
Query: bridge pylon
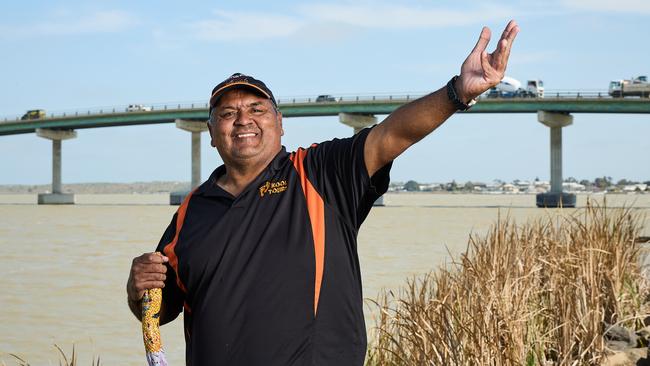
[195,127]
[56,197]
[556,197]
[358,122]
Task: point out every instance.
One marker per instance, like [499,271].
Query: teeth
[245,135]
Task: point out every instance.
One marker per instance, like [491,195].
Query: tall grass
[63,359]
[541,293]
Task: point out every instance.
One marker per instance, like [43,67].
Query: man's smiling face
[245,128]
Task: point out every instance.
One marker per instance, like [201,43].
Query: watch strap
[452,94]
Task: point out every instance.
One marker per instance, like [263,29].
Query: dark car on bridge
[33,114]
[325,98]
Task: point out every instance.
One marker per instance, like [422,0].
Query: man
[262,257]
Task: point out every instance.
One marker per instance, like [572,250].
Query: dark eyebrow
[253,104]
[221,108]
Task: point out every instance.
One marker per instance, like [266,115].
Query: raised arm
[413,121]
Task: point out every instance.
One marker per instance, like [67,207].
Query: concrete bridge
[554,111]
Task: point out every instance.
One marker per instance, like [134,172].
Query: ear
[280,122]
[211,136]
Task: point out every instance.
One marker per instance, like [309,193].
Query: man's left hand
[482,70]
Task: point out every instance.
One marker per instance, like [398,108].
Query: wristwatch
[453,96]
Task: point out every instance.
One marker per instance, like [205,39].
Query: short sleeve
[337,169]
[173,297]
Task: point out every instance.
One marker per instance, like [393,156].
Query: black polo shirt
[272,277]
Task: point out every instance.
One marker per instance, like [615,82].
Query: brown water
[63,269]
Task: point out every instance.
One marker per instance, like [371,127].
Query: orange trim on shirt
[316,211]
[169,249]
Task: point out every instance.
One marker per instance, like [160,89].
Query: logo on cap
[239,80]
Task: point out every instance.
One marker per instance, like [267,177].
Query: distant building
[573,187]
[509,188]
[431,187]
[639,187]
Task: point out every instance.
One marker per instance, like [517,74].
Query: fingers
[155,257]
[508,38]
[147,271]
[140,287]
[488,71]
[483,40]
[150,276]
[509,27]
[502,53]
[491,74]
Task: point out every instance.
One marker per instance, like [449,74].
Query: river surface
[63,269]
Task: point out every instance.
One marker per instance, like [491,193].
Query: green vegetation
[542,293]
[411,186]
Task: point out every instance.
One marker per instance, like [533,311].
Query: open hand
[482,70]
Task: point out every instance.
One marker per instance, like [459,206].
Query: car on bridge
[138,108]
[325,98]
[33,114]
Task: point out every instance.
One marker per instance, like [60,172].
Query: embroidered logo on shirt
[270,188]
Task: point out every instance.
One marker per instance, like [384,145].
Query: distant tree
[571,180]
[452,187]
[623,182]
[412,186]
[603,183]
[536,179]
[469,186]
[586,183]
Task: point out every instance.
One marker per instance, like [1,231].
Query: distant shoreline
[155,187]
[165,187]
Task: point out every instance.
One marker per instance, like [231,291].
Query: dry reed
[542,293]
[63,359]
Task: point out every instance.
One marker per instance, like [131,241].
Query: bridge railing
[117,110]
[204,105]
[350,98]
[576,94]
[379,97]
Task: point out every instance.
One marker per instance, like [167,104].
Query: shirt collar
[210,188]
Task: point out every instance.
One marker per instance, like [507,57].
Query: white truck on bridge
[510,87]
[635,87]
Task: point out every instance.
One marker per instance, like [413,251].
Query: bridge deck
[384,105]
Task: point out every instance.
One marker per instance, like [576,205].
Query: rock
[629,357]
[643,335]
[619,336]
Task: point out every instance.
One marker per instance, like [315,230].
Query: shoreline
[391,199]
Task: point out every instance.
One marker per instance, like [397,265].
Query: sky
[74,55]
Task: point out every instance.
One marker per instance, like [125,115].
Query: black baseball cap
[239,80]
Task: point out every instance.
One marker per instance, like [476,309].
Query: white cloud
[245,26]
[385,16]
[66,24]
[621,6]
[232,26]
